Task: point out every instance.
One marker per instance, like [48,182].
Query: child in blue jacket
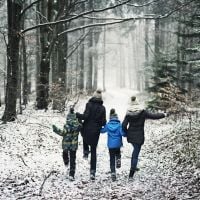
[115,133]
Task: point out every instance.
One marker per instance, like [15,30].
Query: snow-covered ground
[31,164]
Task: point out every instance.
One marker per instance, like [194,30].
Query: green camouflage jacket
[70,133]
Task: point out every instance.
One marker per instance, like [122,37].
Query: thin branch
[142,5]
[54,38]
[77,100]
[75,17]
[79,2]
[102,18]
[79,43]
[93,25]
[41,188]
[42,17]
[149,47]
[29,6]
[152,17]
[174,10]
[22,160]
[4,38]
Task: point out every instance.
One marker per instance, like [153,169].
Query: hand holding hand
[166,114]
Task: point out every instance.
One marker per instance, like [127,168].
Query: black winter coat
[133,125]
[94,118]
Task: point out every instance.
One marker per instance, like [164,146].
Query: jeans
[69,155]
[115,154]
[135,154]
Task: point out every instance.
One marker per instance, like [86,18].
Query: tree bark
[14,10]
[89,87]
[43,82]
[82,57]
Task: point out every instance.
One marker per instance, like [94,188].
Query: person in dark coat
[94,118]
[133,125]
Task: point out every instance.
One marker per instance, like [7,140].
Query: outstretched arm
[149,115]
[57,130]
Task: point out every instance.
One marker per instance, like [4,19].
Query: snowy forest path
[36,152]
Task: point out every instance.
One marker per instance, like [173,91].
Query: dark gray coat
[133,124]
[94,118]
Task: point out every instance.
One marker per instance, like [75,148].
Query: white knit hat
[97,94]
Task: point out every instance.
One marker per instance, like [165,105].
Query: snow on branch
[84,14]
[93,25]
[75,17]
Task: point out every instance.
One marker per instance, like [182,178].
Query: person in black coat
[94,118]
[133,125]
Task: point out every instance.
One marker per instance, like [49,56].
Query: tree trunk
[157,39]
[82,63]
[82,57]
[43,84]
[146,53]
[25,73]
[38,50]
[14,10]
[104,58]
[178,51]
[89,87]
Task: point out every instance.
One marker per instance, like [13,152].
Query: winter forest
[56,54]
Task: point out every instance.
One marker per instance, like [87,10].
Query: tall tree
[89,85]
[46,7]
[14,9]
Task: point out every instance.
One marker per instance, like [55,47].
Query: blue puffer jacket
[115,133]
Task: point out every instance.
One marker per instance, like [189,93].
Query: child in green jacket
[70,140]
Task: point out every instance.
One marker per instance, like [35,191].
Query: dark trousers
[93,161]
[69,156]
[86,149]
[135,154]
[114,155]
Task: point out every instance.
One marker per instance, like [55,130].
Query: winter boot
[131,173]
[92,175]
[66,163]
[113,176]
[118,163]
[85,155]
[137,169]
[71,178]
[71,175]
